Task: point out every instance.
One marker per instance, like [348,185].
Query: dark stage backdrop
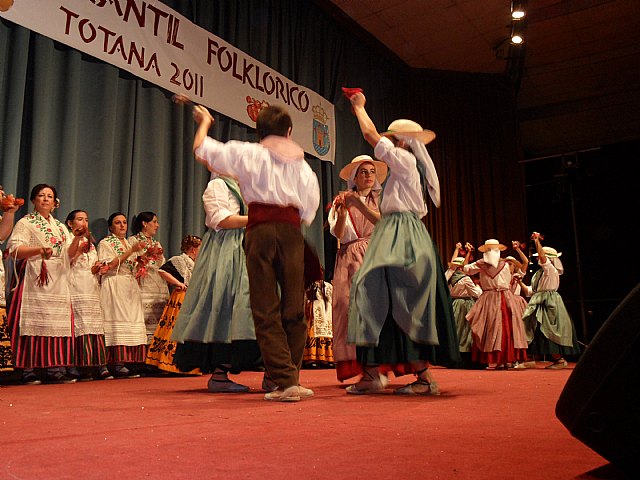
[110,141]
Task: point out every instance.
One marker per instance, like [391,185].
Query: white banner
[154,42]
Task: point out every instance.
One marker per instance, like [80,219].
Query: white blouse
[402,190]
[219,203]
[263,178]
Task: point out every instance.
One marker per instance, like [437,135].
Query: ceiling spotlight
[517,32]
[517,10]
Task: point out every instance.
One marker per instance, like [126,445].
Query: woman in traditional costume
[124,327]
[400,309]
[352,217]
[546,315]
[88,322]
[499,338]
[214,329]
[464,293]
[9,207]
[177,273]
[40,317]
[153,287]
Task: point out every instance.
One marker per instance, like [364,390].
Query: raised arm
[367,127]
[204,120]
[542,257]
[523,257]
[470,248]
[457,248]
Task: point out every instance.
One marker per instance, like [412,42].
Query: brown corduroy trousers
[275,266]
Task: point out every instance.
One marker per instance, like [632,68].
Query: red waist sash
[263,213]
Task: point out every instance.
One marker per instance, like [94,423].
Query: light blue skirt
[216,306]
[398,277]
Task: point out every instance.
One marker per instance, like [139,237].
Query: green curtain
[109,141]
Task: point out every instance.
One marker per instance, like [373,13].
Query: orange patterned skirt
[162,348]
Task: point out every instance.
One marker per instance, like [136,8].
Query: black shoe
[124,372]
[105,374]
[31,379]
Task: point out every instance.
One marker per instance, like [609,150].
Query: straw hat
[410,129]
[491,243]
[456,262]
[549,252]
[349,171]
[511,259]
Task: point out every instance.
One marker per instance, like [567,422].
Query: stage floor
[485,425]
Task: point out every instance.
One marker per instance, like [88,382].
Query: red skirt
[507,353]
[36,351]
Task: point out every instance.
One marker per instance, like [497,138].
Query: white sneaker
[305,392]
[289,394]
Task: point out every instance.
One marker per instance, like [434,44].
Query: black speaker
[600,403]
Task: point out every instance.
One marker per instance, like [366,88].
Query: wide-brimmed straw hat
[409,128]
[348,172]
[456,262]
[549,252]
[513,260]
[491,243]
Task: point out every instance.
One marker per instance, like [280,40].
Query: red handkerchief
[350,92]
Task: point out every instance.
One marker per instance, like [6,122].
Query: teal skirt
[400,306]
[553,330]
[215,325]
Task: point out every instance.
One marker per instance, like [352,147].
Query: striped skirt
[37,351]
[6,360]
[90,351]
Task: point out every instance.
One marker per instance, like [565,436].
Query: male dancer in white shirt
[281,191]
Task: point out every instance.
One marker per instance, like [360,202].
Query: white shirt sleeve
[262,178]
[218,203]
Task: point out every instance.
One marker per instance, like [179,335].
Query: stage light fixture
[517,32]
[517,10]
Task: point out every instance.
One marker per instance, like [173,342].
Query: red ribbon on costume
[44,277]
